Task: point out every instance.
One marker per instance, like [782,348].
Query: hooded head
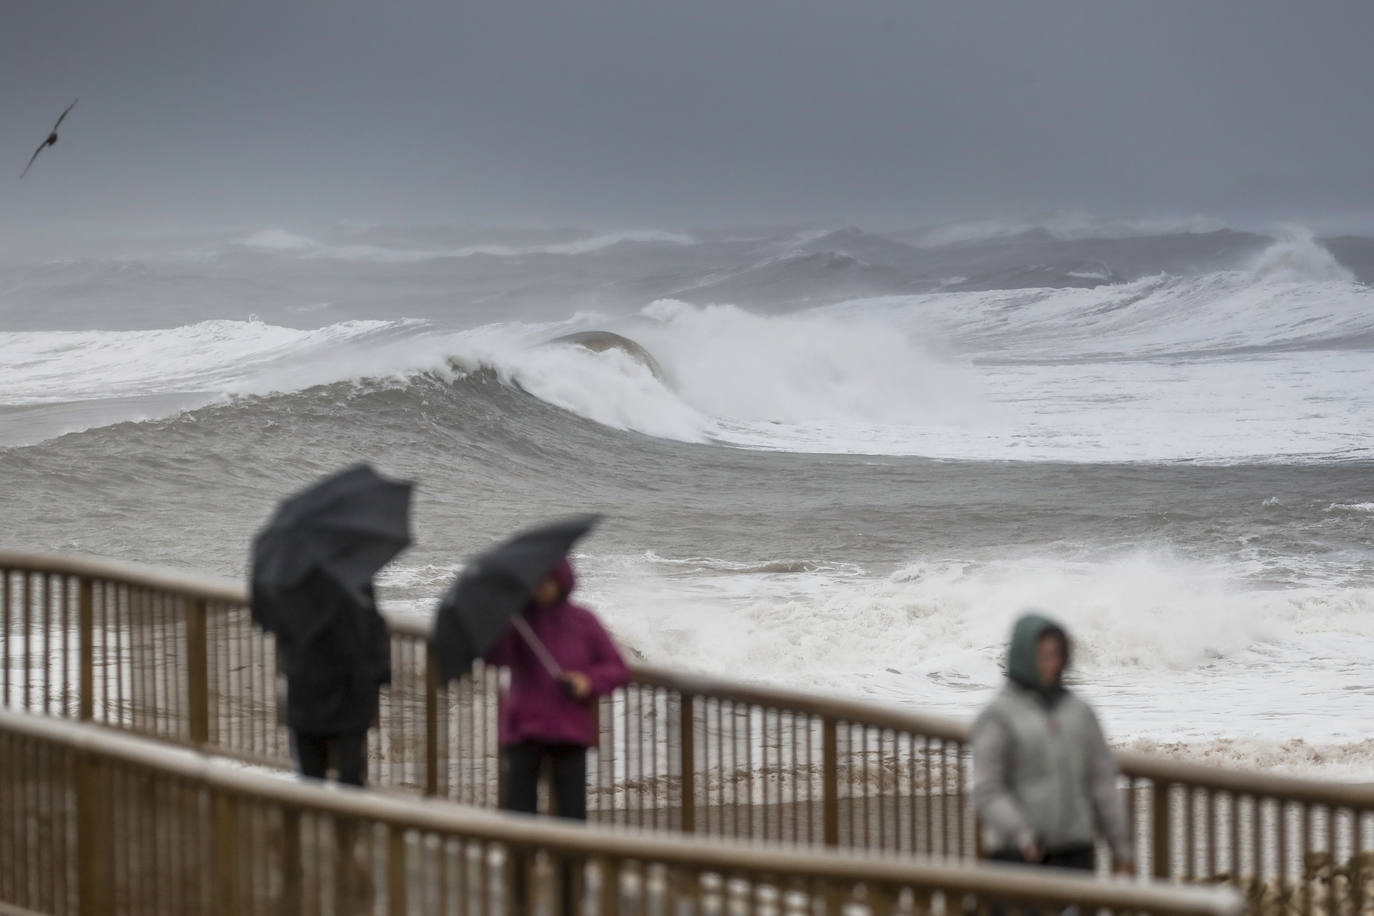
[563,574]
[563,579]
[1026,634]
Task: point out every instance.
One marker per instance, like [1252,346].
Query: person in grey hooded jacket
[1044,779]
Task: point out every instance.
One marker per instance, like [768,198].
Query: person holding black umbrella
[510,607]
[333,681]
[549,713]
[311,586]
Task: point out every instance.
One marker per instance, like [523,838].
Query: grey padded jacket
[1042,768]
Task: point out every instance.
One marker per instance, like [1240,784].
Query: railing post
[91,810]
[197,672]
[688,762]
[225,847]
[86,661]
[431,722]
[292,881]
[830,782]
[1159,829]
[395,871]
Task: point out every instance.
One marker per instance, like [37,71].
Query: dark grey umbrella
[494,588]
[346,526]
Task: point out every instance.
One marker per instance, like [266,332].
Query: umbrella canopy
[494,588]
[346,526]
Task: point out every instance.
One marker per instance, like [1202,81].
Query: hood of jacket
[563,574]
[1028,630]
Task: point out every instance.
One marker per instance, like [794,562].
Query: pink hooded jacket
[536,708]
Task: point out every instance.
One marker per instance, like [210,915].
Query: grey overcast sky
[695,112]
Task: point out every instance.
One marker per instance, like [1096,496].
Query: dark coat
[334,674]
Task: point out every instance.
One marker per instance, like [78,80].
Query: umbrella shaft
[540,650]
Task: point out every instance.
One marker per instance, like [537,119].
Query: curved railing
[100,822]
[176,657]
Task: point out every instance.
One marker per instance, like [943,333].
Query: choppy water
[837,461]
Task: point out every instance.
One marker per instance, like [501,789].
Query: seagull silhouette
[52,138]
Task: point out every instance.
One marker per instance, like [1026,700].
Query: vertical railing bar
[861,808]
[264,684]
[121,615]
[1190,833]
[896,802]
[66,644]
[86,648]
[912,794]
[1332,840]
[431,784]
[687,755]
[1357,858]
[47,642]
[751,773]
[1281,857]
[197,673]
[830,817]
[782,775]
[963,809]
[929,843]
[1159,829]
[734,769]
[661,794]
[1233,859]
[720,754]
[944,798]
[630,755]
[138,667]
[395,871]
[1305,813]
[26,595]
[644,780]
[6,604]
[1210,800]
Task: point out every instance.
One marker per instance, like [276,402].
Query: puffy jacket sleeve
[992,795]
[606,670]
[1109,810]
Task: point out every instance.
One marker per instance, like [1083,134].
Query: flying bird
[52,138]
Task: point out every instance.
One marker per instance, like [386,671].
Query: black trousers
[1078,858]
[348,753]
[568,768]
[568,771]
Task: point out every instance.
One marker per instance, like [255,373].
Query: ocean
[835,460]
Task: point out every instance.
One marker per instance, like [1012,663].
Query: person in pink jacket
[554,718]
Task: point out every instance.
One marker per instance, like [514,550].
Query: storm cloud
[713,112]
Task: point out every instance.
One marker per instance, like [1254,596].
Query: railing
[99,822]
[175,657]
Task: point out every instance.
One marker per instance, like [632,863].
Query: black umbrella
[494,588]
[346,526]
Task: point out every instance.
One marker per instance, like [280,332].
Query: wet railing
[175,657]
[97,822]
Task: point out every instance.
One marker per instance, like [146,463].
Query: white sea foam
[283,242]
[1266,363]
[1171,649]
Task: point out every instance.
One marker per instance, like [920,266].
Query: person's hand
[1124,868]
[579,686]
[1031,852]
